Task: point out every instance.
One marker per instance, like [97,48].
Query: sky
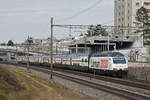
[22,18]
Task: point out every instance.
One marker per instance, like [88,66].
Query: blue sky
[20,18]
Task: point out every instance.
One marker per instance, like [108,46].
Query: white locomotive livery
[112,63]
[109,62]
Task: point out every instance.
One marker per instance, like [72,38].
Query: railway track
[133,83]
[127,82]
[131,95]
[110,89]
[117,91]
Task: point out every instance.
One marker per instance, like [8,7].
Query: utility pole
[16,54]
[57,48]
[51,50]
[70,30]
[28,54]
[108,42]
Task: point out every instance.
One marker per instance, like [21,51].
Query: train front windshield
[119,60]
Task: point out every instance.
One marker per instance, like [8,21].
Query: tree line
[143,20]
[9,43]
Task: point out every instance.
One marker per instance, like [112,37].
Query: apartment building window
[137,4]
[122,19]
[146,3]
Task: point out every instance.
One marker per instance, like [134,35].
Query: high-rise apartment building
[125,12]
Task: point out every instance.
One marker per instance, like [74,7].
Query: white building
[125,12]
[125,15]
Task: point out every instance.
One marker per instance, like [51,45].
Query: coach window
[86,60]
[82,60]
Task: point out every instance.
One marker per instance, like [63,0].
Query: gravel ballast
[94,93]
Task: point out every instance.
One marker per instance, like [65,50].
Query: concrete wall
[142,73]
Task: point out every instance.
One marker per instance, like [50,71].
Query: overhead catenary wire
[82,11]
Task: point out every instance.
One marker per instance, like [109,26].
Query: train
[104,63]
